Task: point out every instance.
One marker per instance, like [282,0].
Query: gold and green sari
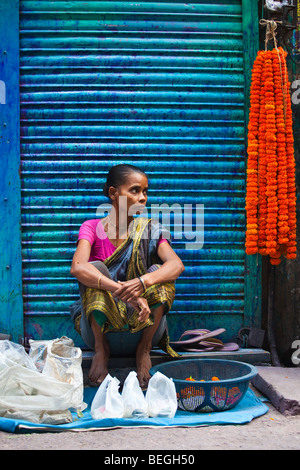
[136,256]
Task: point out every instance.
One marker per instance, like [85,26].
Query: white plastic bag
[63,362]
[13,353]
[58,358]
[108,402]
[161,396]
[39,349]
[275,6]
[26,394]
[135,404]
[38,352]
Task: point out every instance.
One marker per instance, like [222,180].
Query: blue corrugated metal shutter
[160,85]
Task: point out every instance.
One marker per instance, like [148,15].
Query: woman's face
[133,192]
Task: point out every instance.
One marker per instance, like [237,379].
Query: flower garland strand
[262,170]
[252,170]
[280,112]
[271,189]
[271,150]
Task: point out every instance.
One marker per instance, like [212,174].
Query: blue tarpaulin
[250,407]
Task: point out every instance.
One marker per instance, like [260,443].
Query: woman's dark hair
[118,174]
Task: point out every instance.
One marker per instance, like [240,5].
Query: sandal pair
[203,340]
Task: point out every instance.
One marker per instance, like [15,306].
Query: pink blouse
[102,247]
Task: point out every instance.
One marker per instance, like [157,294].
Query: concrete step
[121,366]
[252,356]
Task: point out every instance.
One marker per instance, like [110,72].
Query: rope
[270,31]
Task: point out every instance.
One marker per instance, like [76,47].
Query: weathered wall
[287,280]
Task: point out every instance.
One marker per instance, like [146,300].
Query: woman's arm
[85,272]
[170,270]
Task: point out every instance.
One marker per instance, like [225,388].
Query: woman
[126,270]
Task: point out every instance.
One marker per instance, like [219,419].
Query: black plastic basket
[204,394]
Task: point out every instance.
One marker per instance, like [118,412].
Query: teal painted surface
[11,303]
[253,264]
[160,85]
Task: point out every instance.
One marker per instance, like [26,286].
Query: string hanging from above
[271,188]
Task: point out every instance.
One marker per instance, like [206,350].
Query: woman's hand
[129,290]
[141,305]
[145,311]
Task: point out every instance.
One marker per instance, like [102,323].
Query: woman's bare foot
[143,359]
[99,367]
[143,363]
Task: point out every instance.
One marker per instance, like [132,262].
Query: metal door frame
[11,301]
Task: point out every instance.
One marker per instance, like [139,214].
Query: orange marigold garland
[252,170]
[271,141]
[280,113]
[262,171]
[271,189]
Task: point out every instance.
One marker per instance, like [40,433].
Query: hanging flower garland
[252,170]
[271,189]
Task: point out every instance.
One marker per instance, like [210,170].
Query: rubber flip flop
[230,347]
[199,349]
[197,336]
[202,331]
[225,347]
[211,344]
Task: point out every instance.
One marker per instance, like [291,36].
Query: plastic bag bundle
[135,404]
[45,385]
[108,402]
[26,394]
[161,396]
[160,399]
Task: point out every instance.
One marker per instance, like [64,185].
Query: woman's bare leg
[99,368]
[143,360]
